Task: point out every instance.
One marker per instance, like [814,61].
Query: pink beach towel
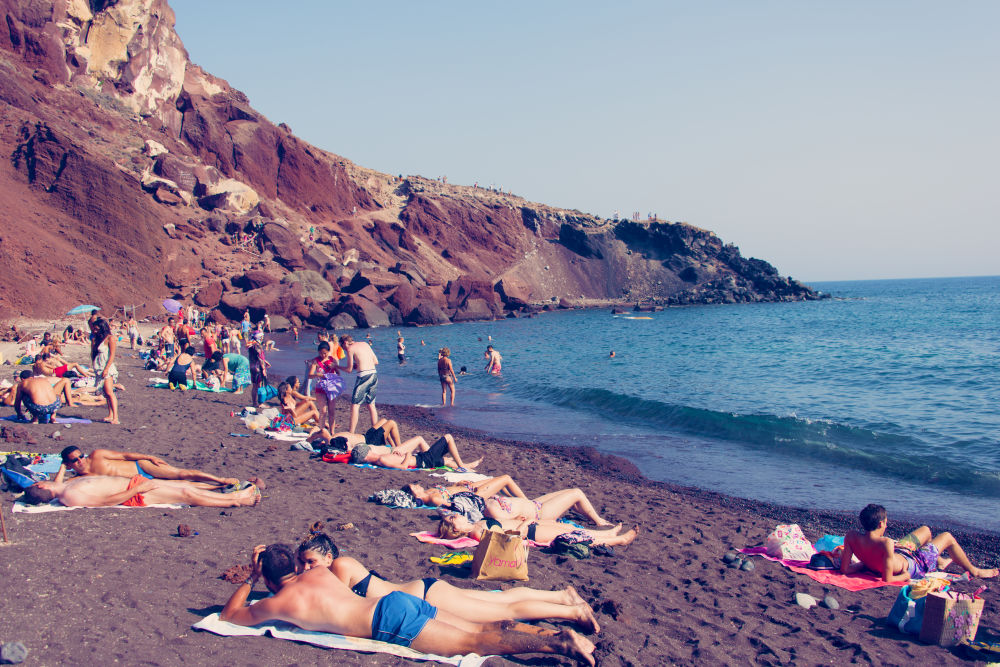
[462,542]
[858,581]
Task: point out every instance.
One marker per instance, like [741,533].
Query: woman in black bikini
[454,526]
[476,606]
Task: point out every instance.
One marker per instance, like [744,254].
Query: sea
[887,392]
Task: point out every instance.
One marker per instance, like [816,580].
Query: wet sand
[106,585]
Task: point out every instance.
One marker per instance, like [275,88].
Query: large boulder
[210,294]
[277,299]
[395,317]
[364,312]
[411,271]
[426,312]
[279,323]
[285,245]
[404,298]
[341,321]
[256,278]
[515,293]
[474,309]
[314,285]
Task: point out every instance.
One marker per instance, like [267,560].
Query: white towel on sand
[212,623]
[56,506]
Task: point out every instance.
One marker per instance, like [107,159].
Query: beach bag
[788,543]
[266,392]
[950,618]
[907,613]
[17,476]
[500,557]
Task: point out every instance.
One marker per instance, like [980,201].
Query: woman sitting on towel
[475,606]
[454,526]
[180,369]
[295,412]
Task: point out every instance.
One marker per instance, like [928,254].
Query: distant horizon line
[870,280]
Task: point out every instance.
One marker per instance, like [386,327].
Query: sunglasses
[70,462]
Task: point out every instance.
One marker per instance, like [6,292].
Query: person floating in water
[493,360]
[612,355]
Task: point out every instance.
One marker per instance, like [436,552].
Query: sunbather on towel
[550,506]
[454,526]
[910,558]
[128,464]
[443,452]
[317,600]
[41,398]
[478,606]
[102,491]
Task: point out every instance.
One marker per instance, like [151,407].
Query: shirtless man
[40,397]
[167,338]
[493,360]
[442,453]
[317,600]
[361,358]
[910,558]
[54,365]
[99,491]
[129,464]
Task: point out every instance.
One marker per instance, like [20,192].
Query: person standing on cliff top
[361,357]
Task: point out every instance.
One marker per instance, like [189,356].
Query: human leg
[493,607]
[167,471]
[63,390]
[557,503]
[946,542]
[494,485]
[355,411]
[916,538]
[175,491]
[444,393]
[444,639]
[109,393]
[373,412]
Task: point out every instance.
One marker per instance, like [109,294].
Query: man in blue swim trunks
[317,600]
[910,558]
[40,397]
[128,464]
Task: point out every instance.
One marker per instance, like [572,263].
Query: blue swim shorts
[399,618]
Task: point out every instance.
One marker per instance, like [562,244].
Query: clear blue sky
[837,140]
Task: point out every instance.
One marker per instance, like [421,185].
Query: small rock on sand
[830,602]
[13,653]
[805,600]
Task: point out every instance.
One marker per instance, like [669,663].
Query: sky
[837,140]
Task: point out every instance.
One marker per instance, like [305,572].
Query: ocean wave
[850,447]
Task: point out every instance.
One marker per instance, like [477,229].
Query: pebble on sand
[13,653]
[805,600]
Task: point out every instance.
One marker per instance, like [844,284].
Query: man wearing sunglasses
[129,464]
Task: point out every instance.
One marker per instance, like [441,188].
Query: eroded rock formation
[133,175]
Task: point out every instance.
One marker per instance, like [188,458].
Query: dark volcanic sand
[117,585]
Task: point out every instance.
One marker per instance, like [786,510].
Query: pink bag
[788,543]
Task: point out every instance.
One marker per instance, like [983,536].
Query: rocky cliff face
[134,175]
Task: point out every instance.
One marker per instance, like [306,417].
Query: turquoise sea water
[888,392]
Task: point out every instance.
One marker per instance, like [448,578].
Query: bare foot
[985,574]
[230,481]
[258,482]
[586,620]
[110,420]
[252,497]
[474,464]
[572,597]
[577,646]
[628,538]
[943,562]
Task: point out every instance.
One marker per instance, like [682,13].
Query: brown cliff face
[135,175]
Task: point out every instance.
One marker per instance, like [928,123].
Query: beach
[118,584]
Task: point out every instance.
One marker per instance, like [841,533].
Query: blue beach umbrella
[79,310]
[171,306]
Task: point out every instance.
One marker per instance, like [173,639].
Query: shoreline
[129,587]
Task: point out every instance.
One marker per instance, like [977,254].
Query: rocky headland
[134,175]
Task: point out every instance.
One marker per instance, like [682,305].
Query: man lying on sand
[128,464]
[100,491]
[443,452]
[317,600]
[910,558]
[41,398]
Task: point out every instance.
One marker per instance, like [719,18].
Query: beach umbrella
[82,309]
[172,306]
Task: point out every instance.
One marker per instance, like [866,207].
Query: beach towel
[859,581]
[56,506]
[57,420]
[198,386]
[212,623]
[462,542]
[455,477]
